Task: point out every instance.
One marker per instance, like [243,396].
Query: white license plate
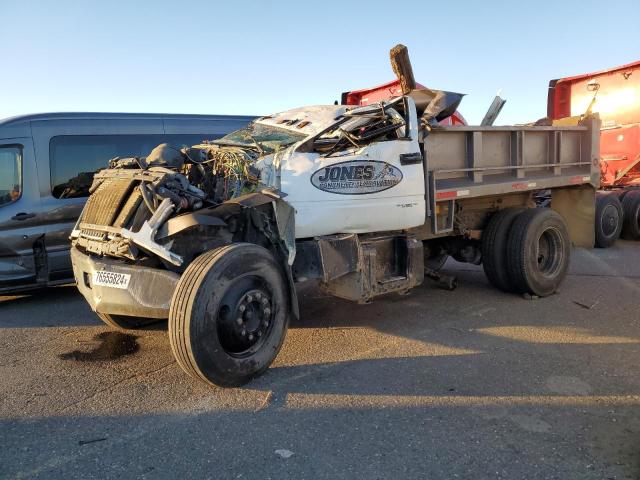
[111,279]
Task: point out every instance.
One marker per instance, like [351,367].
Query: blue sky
[254,57]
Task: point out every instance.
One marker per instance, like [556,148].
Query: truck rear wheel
[631,209]
[229,314]
[538,251]
[125,322]
[494,248]
[608,219]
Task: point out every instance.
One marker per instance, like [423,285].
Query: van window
[10,174]
[74,159]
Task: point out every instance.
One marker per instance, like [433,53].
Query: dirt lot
[466,384]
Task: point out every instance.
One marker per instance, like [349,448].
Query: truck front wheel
[538,251]
[229,314]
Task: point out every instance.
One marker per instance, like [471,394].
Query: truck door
[375,186]
[21,223]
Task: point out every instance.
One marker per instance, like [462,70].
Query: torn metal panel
[434,106]
[385,265]
[178,224]
[339,255]
[145,237]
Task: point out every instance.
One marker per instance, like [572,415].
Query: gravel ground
[466,384]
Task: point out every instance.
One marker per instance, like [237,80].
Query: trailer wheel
[538,251]
[621,193]
[229,314]
[125,322]
[608,219]
[494,248]
[631,209]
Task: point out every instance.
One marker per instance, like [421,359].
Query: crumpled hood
[305,120]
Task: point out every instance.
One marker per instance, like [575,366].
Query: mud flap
[577,205]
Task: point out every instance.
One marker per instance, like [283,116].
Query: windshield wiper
[232,143]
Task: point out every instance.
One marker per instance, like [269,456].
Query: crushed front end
[147,219]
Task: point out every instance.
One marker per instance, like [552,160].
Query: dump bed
[472,161]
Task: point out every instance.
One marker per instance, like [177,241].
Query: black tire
[125,322]
[494,248]
[620,193]
[631,209]
[229,314]
[538,252]
[609,218]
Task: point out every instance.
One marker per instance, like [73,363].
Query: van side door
[22,258]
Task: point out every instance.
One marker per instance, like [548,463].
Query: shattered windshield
[264,138]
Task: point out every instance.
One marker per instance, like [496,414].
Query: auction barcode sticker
[111,279]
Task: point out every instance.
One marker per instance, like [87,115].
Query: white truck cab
[350,188]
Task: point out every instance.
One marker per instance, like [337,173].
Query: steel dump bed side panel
[472,161]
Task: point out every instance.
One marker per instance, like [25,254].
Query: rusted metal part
[402,68]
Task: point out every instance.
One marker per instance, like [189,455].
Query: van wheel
[631,209]
[229,314]
[435,262]
[608,219]
[538,251]
[494,248]
[125,322]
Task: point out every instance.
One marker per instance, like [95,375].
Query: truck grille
[105,206]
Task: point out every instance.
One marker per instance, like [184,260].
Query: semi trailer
[365,200]
[615,95]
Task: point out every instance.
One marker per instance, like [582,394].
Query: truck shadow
[476,332]
[533,379]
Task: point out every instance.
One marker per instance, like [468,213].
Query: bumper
[148,294]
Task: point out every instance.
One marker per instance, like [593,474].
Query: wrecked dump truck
[366,200]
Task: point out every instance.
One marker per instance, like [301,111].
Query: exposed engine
[131,201]
[192,177]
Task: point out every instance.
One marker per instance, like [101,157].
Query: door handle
[410,158]
[23,216]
